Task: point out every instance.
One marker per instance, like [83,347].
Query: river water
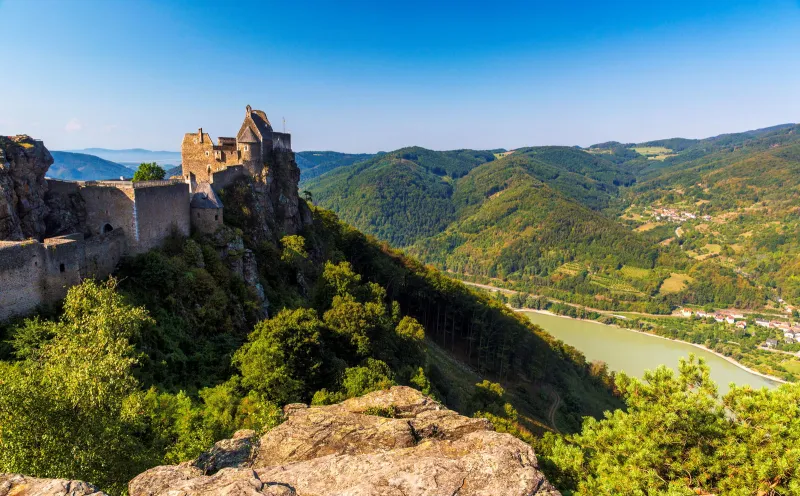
[634,352]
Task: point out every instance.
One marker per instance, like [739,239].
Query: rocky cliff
[392,442]
[23,164]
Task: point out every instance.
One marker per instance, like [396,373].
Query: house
[762,323]
[789,340]
[686,312]
[771,343]
[719,317]
[730,320]
[737,315]
[741,324]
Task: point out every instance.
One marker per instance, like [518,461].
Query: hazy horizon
[365,77]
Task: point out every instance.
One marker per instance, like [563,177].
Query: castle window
[206,154]
[216,217]
[62,268]
[107,228]
[245,148]
[195,141]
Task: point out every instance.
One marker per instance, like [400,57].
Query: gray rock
[21,485]
[23,164]
[392,442]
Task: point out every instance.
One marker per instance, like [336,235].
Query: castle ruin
[55,233]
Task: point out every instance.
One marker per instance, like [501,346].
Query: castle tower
[250,150]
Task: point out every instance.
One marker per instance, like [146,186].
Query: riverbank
[699,346]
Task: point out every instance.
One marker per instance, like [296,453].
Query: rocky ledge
[395,442]
[20,485]
[392,442]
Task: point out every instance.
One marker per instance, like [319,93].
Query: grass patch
[647,226]
[635,272]
[654,152]
[675,283]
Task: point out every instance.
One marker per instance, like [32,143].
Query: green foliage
[282,358]
[294,251]
[677,437]
[65,409]
[372,376]
[149,172]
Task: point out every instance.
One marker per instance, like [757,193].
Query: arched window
[107,228]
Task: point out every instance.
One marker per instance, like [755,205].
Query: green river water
[635,352]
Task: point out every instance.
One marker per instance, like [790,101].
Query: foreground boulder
[20,485]
[392,442]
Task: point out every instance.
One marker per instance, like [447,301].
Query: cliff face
[392,442]
[23,164]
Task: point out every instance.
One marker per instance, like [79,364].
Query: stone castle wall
[34,273]
[159,211]
[222,179]
[206,220]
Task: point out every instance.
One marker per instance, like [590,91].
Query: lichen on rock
[342,450]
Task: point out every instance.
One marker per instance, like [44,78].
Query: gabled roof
[205,197]
[248,136]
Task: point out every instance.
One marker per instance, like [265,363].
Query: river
[635,352]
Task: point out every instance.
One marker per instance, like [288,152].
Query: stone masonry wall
[159,210]
[109,206]
[206,220]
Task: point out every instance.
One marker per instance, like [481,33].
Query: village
[790,330]
[672,215]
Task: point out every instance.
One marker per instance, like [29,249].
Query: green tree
[149,172]
[65,410]
[283,356]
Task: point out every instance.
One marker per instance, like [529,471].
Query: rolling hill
[84,167]
[313,164]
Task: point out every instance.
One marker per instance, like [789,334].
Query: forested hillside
[313,164]
[181,354]
[400,196]
[643,226]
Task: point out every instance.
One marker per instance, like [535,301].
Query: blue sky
[369,76]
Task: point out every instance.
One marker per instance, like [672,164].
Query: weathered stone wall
[197,156]
[110,207]
[64,259]
[224,178]
[21,287]
[206,220]
[103,254]
[34,273]
[201,159]
[159,211]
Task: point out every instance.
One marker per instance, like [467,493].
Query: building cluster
[673,215]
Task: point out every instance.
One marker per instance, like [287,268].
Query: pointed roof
[248,136]
[205,197]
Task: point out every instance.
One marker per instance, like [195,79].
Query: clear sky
[379,75]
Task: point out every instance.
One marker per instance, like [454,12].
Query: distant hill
[313,164]
[85,167]
[134,156]
[400,196]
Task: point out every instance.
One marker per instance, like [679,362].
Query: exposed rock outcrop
[20,485]
[392,442]
[23,164]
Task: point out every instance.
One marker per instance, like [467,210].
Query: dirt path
[551,412]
